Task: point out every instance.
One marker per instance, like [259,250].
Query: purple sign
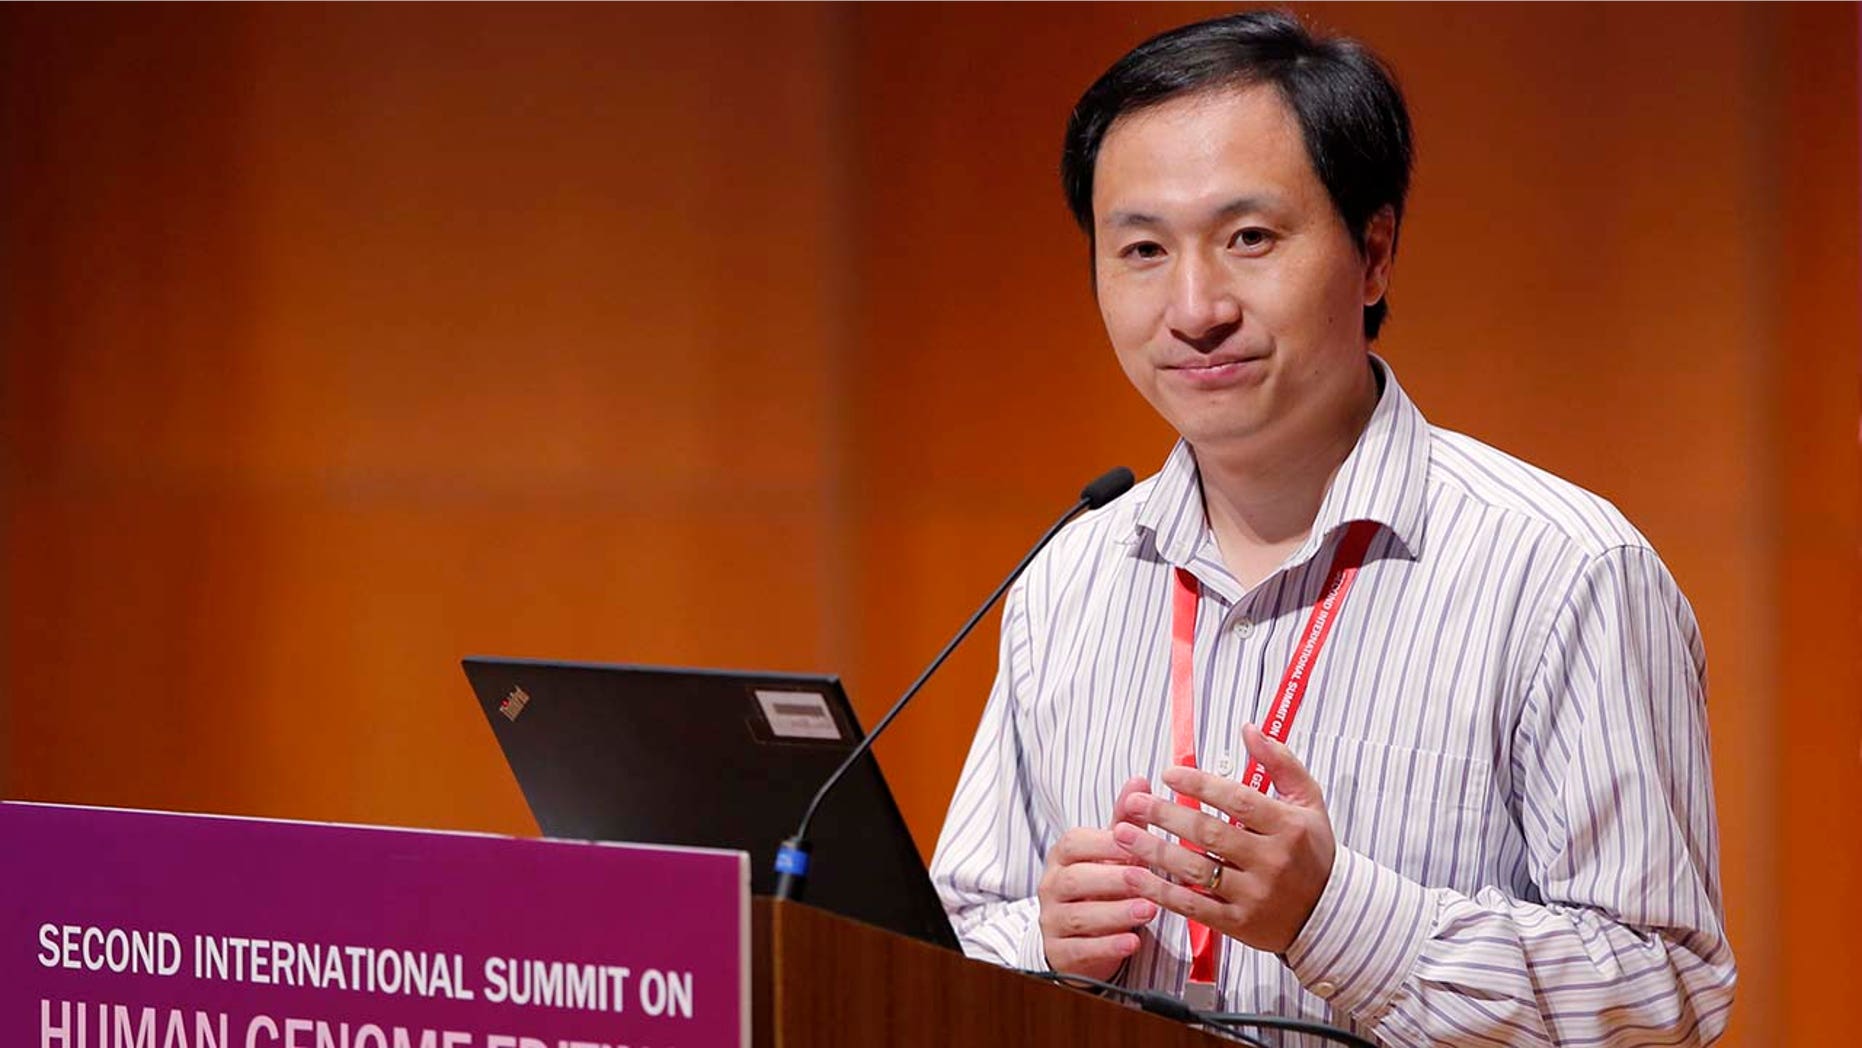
[127,929]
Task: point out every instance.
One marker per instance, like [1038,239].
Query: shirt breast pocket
[1420,812]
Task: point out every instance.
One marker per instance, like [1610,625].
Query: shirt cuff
[1363,936]
[1033,955]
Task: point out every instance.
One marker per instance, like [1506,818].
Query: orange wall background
[339,342]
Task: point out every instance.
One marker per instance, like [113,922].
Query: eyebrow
[1232,209]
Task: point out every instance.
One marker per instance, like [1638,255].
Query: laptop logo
[514,704]
[798,715]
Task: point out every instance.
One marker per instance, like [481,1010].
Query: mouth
[1214,372]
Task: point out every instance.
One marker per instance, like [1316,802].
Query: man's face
[1230,287]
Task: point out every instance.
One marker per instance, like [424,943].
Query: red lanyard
[1345,564]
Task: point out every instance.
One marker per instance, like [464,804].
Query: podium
[823,981]
[191,931]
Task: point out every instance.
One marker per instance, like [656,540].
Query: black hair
[1350,110]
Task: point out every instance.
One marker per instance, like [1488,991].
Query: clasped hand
[1274,856]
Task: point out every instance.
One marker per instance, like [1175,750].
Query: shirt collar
[1382,480]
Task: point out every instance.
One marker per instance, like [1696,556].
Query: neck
[1261,501]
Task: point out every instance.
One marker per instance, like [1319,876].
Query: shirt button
[1244,627]
[1325,987]
[1225,767]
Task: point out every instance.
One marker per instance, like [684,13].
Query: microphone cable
[1231,1023]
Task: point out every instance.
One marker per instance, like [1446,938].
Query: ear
[1379,253]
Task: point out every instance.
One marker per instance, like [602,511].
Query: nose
[1204,310]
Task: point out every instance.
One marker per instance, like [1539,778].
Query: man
[1491,818]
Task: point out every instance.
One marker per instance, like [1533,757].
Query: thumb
[1290,778]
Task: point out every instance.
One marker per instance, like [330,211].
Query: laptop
[710,758]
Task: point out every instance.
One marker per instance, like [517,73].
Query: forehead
[1189,153]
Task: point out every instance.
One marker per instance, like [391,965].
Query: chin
[1215,424]
[1215,435]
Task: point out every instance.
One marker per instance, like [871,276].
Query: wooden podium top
[820,980]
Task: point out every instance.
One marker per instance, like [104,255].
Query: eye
[1251,240]
[1143,250]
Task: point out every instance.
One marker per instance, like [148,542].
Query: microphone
[792,857]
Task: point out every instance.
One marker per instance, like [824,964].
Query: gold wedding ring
[1215,879]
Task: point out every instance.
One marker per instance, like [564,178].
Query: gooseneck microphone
[792,857]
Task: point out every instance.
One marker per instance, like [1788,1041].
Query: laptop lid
[710,758]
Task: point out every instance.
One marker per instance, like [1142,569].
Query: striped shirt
[1508,724]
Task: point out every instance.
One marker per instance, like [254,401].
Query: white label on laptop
[798,715]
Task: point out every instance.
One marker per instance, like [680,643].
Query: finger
[1192,826]
[1134,785]
[1104,953]
[1162,857]
[1176,898]
[1083,845]
[1186,866]
[1175,860]
[1251,809]
[1090,880]
[1089,920]
[1291,779]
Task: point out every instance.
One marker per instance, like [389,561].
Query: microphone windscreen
[1107,487]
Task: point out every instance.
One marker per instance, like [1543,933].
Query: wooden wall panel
[1813,793]
[343,342]
[338,342]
